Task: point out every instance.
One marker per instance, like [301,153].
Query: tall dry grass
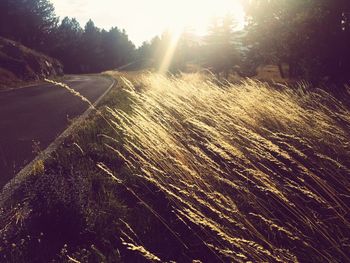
[256,173]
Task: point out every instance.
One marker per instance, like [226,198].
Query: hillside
[190,169]
[19,64]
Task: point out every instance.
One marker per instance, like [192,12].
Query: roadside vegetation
[190,169]
[195,167]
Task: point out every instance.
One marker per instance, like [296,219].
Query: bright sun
[197,14]
[144,19]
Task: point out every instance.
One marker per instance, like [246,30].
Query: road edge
[15,182]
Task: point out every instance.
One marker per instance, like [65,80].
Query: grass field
[190,169]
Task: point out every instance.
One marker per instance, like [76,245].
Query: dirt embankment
[19,64]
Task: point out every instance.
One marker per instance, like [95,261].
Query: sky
[144,19]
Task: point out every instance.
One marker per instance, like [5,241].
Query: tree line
[90,49]
[81,50]
[307,39]
[220,50]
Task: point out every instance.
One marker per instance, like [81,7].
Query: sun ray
[175,36]
[196,15]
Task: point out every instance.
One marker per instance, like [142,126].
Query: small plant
[188,169]
[38,167]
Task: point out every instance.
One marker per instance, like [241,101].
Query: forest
[306,39]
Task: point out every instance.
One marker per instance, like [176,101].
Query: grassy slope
[183,169]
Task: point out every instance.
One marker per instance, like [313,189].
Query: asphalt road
[38,114]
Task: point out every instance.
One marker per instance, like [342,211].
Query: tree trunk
[293,70]
[280,68]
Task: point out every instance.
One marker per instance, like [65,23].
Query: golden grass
[263,172]
[256,173]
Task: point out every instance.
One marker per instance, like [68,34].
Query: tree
[221,45]
[187,50]
[66,44]
[91,48]
[27,21]
[311,36]
[117,48]
[34,23]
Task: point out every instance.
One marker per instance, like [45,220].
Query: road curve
[39,114]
